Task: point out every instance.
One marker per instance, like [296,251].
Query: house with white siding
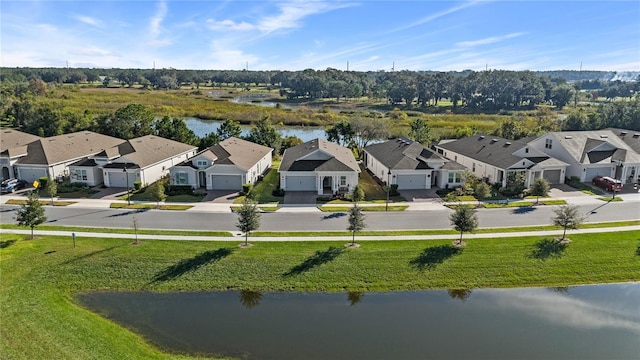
[492,158]
[410,165]
[224,166]
[593,153]
[320,166]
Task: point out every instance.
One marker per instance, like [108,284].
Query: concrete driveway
[221,196]
[421,195]
[300,197]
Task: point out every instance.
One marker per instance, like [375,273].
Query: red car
[607,183]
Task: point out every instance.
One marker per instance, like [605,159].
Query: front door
[202,179]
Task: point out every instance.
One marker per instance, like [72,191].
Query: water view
[203,127]
[584,322]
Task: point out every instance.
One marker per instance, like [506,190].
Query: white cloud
[155,26]
[438,15]
[229,25]
[488,40]
[88,20]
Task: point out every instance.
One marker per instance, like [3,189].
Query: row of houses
[319,165]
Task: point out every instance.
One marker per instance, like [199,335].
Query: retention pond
[582,322]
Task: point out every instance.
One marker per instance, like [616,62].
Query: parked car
[607,183]
[11,185]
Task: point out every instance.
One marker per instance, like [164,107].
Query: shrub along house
[493,159]
[224,166]
[320,166]
[410,165]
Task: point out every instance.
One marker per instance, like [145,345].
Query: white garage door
[411,181]
[119,179]
[226,182]
[593,172]
[300,183]
[552,176]
[31,175]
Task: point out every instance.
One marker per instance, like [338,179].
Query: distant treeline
[485,90]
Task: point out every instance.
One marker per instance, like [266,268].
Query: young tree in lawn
[464,219]
[248,219]
[136,226]
[482,190]
[157,192]
[358,194]
[540,187]
[31,214]
[567,216]
[52,189]
[356,222]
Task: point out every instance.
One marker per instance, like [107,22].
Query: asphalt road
[162,219]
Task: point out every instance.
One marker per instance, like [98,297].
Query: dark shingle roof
[630,137]
[338,158]
[488,149]
[402,154]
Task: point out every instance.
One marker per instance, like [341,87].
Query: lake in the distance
[203,127]
[583,322]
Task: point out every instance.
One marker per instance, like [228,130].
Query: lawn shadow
[93,253]
[434,255]
[132,212]
[547,248]
[7,243]
[638,250]
[317,259]
[334,215]
[523,210]
[186,265]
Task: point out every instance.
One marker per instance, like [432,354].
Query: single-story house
[318,165]
[492,158]
[53,155]
[592,153]
[224,166]
[411,165]
[145,159]
[13,146]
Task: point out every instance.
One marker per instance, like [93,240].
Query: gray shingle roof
[14,142]
[596,146]
[402,154]
[151,149]
[630,137]
[340,158]
[61,148]
[488,149]
[241,153]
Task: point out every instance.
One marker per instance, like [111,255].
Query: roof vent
[636,135]
[568,137]
[623,133]
[508,143]
[604,136]
[481,136]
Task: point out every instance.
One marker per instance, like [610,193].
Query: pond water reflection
[203,127]
[585,322]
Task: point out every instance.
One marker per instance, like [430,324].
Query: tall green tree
[264,133]
[356,222]
[420,131]
[208,140]
[340,133]
[31,214]
[248,218]
[464,219]
[128,122]
[567,216]
[229,128]
[175,129]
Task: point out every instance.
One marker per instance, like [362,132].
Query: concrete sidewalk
[236,237]
[226,207]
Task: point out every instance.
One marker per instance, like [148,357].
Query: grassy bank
[39,317]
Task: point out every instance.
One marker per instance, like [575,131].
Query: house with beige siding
[224,166]
[13,146]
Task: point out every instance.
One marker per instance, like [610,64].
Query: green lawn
[262,192]
[39,278]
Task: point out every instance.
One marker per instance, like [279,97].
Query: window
[202,163]
[526,150]
[81,174]
[548,144]
[455,177]
[343,181]
[182,178]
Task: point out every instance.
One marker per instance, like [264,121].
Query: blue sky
[296,35]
